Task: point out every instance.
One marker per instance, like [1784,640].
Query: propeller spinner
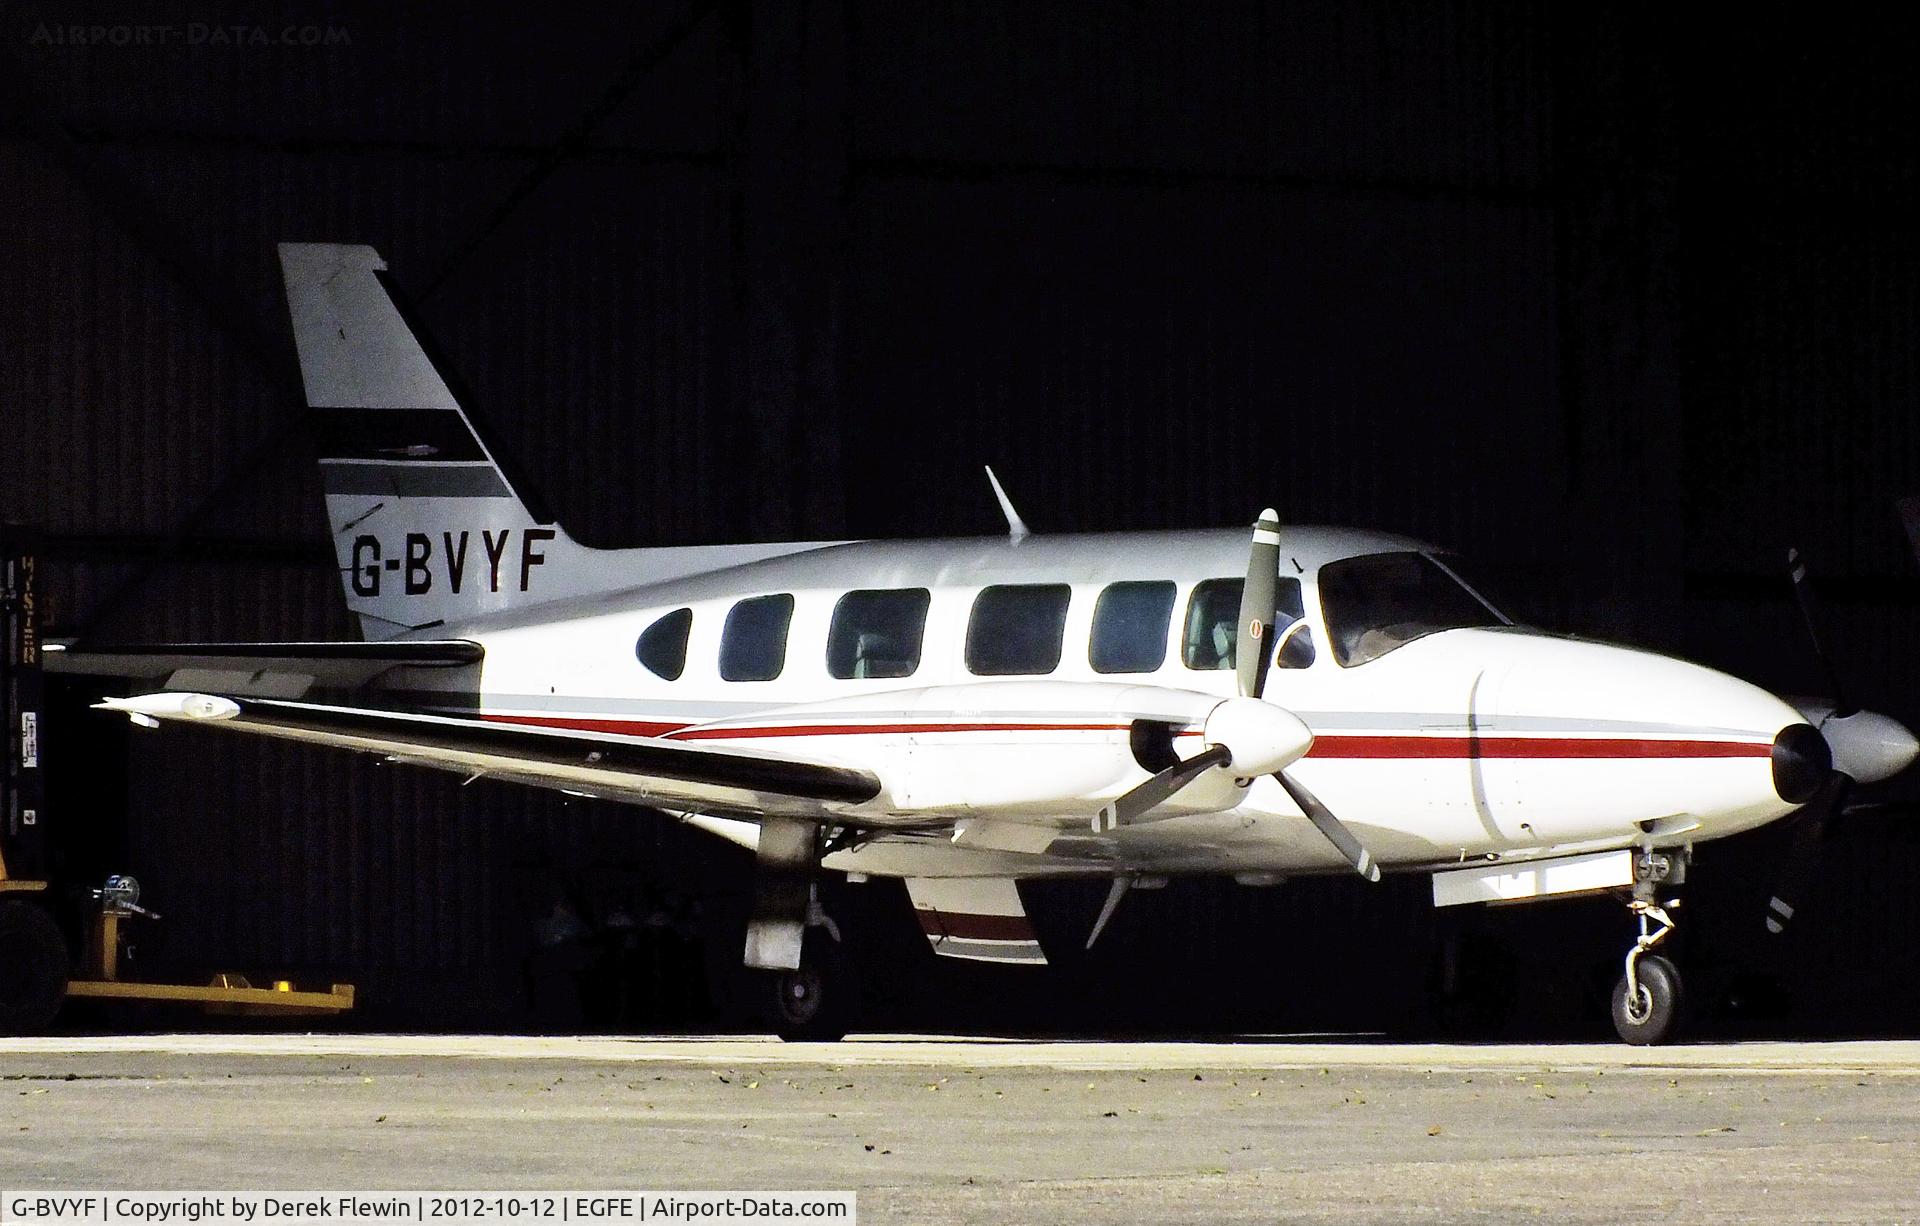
[1861,747]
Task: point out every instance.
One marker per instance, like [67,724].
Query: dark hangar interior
[1617,303]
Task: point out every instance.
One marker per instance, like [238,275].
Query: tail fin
[427,526]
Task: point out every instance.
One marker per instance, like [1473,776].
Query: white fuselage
[1475,742]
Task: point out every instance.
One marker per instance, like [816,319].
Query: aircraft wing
[262,670]
[635,769]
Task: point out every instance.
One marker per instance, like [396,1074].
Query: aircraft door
[1494,787]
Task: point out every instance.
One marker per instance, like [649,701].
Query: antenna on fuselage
[1016,527]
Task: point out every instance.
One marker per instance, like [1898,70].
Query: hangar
[1620,311]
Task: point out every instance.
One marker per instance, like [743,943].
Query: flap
[981,918]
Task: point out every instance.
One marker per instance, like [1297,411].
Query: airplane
[966,714]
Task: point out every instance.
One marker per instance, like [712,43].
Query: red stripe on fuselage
[1390,746]
[618,727]
[721,734]
[1326,746]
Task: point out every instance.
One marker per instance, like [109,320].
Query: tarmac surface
[932,1130]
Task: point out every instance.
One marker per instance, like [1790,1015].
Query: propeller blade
[1803,854]
[1336,831]
[1909,508]
[1900,810]
[1117,892]
[1130,807]
[1257,601]
[1797,569]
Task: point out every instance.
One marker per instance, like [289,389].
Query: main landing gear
[1647,1000]
[811,995]
[814,1002]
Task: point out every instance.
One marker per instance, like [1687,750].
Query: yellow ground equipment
[37,971]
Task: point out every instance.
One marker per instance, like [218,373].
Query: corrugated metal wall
[1610,307]
[1277,264]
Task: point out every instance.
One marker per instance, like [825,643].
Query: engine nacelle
[1039,749]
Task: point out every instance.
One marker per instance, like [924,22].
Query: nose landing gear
[1646,1001]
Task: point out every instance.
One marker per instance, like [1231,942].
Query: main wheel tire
[1649,1017]
[812,1004]
[33,968]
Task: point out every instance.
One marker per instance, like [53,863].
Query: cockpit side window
[1213,616]
[1291,632]
[1378,602]
[1211,641]
[1296,646]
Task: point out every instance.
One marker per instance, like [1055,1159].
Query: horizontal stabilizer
[261,670]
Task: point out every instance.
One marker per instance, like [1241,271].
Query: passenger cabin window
[663,645]
[1382,601]
[1016,629]
[877,633]
[1130,627]
[753,644]
[1211,640]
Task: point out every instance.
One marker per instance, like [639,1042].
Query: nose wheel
[1646,1001]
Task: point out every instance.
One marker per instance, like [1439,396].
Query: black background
[1617,302]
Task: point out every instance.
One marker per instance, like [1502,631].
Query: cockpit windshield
[1381,601]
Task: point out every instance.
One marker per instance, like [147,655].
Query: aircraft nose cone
[1869,746]
[1802,761]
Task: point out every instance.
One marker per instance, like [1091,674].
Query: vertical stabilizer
[427,526]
